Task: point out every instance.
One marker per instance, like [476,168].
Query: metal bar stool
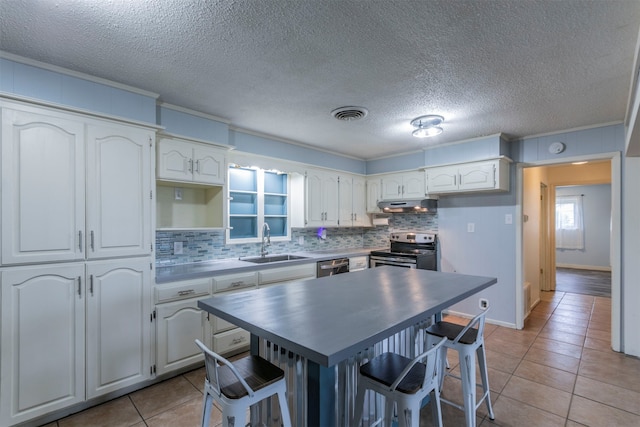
[466,340]
[404,382]
[236,386]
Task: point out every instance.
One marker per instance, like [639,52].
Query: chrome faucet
[266,239]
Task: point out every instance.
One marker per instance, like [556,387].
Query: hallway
[587,282]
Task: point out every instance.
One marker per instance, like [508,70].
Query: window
[569,222]
[257,196]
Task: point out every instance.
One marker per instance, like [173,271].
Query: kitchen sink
[273,258]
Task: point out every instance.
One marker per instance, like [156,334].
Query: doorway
[537,193]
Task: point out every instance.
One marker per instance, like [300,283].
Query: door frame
[614,248]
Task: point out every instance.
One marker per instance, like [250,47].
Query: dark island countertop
[329,319]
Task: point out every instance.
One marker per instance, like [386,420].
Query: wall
[596,204]
[209,245]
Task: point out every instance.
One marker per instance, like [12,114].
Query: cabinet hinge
[152,369]
[151,194]
[150,142]
[150,266]
[152,316]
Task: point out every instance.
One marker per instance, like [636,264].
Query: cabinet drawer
[235,281]
[285,274]
[221,325]
[182,290]
[235,339]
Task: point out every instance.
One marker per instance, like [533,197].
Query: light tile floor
[558,371]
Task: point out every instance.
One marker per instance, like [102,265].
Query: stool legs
[482,362]
[284,408]
[468,377]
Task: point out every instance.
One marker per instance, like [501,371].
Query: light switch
[471,227]
[301,240]
[178,193]
[508,219]
[177,248]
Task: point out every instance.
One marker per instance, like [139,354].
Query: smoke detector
[348,114]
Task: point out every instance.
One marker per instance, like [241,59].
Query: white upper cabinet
[44,182]
[353,207]
[322,198]
[43,187]
[181,160]
[408,185]
[489,175]
[373,194]
[119,191]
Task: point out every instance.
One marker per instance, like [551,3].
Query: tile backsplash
[201,246]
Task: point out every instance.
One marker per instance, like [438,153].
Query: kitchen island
[322,328]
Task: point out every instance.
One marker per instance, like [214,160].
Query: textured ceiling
[280,66]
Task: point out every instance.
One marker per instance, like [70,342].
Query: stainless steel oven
[408,250]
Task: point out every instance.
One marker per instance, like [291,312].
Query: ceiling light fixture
[427,126]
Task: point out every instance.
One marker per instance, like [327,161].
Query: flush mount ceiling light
[427,126]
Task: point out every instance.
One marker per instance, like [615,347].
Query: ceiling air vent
[349,113]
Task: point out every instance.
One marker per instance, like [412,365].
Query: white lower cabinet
[48,359]
[179,324]
[42,360]
[280,275]
[227,337]
[118,324]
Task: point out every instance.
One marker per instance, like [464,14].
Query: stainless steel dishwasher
[333,266]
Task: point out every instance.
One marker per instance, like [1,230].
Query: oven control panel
[405,237]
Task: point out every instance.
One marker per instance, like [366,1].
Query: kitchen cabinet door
[346,201]
[42,358]
[118,191]
[373,195]
[118,324]
[442,179]
[479,176]
[392,187]
[360,217]
[174,160]
[43,186]
[208,165]
[179,324]
[413,185]
[353,209]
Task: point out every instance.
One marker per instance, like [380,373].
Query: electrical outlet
[471,227]
[301,240]
[178,193]
[177,248]
[483,303]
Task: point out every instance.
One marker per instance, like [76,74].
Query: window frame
[260,208]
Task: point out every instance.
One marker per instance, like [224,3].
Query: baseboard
[487,320]
[584,267]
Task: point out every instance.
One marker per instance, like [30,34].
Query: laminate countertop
[173,273]
[329,319]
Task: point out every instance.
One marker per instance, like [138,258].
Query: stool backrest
[478,320]
[431,359]
[213,361]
